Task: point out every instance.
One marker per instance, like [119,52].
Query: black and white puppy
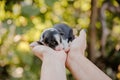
[58,37]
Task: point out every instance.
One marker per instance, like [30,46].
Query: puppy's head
[52,38]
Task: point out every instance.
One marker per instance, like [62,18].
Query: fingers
[37,52]
[79,44]
[33,44]
[40,50]
[82,38]
[82,34]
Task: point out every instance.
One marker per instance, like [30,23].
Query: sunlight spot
[18,72]
[36,20]
[64,3]
[23,46]
[76,4]
[119,67]
[83,22]
[115,3]
[43,9]
[23,20]
[85,5]
[16,9]
[28,2]
[116,31]
[118,75]
[17,38]
[9,21]
[58,9]
[117,47]
[0,41]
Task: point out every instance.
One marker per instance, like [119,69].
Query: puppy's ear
[42,37]
[71,36]
[62,33]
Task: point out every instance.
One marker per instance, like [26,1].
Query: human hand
[45,52]
[77,47]
[79,65]
[53,62]
[79,44]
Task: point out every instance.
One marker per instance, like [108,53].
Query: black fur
[64,32]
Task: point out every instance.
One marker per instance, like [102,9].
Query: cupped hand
[79,44]
[77,49]
[45,52]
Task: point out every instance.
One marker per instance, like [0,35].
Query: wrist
[73,54]
[53,68]
[72,59]
[53,60]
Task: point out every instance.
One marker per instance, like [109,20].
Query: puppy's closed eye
[40,43]
[54,43]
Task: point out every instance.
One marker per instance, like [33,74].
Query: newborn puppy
[58,37]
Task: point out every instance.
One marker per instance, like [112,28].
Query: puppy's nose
[59,47]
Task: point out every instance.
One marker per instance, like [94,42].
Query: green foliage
[22,21]
[30,10]
[50,2]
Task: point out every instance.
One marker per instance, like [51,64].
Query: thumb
[80,42]
[82,39]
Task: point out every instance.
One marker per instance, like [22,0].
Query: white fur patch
[51,29]
[57,37]
[65,43]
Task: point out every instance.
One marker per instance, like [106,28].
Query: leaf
[30,10]
[50,2]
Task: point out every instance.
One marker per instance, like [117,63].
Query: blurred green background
[22,21]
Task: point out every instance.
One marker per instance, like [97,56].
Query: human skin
[80,67]
[53,62]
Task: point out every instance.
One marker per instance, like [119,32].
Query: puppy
[58,37]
